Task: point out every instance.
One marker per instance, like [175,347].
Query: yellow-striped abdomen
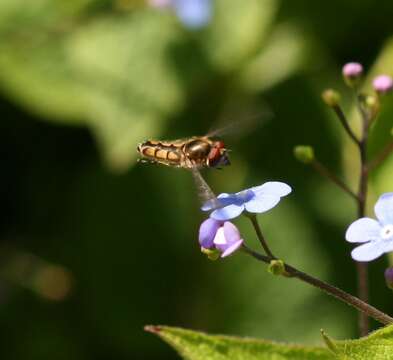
[164,153]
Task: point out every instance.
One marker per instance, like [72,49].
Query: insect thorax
[197,150]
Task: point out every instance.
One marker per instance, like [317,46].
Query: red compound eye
[214,154]
[219,144]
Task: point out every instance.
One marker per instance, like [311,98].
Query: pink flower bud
[383,84]
[159,3]
[352,70]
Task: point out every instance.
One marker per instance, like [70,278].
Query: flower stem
[321,169]
[361,267]
[260,236]
[344,122]
[349,299]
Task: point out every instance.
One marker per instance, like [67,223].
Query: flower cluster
[221,235]
[352,72]
[377,235]
[194,14]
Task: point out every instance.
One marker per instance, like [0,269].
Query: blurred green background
[94,245]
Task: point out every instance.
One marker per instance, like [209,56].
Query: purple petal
[389,277]
[362,230]
[228,239]
[368,252]
[227,212]
[220,241]
[276,188]
[231,249]
[193,13]
[384,209]
[207,232]
[262,203]
[231,233]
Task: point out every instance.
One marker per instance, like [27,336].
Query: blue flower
[376,234]
[219,235]
[257,199]
[194,14]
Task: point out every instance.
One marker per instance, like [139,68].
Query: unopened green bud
[212,254]
[304,153]
[276,267]
[331,97]
[372,103]
[391,131]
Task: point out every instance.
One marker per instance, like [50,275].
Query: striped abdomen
[162,152]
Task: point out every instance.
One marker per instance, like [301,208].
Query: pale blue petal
[243,196]
[387,246]
[193,13]
[272,188]
[231,249]
[368,252]
[362,230]
[384,209]
[262,203]
[220,201]
[227,212]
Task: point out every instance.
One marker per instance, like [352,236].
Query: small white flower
[377,235]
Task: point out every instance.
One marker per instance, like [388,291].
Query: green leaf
[284,53]
[192,345]
[238,31]
[376,346]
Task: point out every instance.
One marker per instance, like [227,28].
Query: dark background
[90,255]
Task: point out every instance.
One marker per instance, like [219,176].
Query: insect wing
[205,193]
[243,124]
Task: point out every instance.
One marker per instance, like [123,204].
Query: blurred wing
[245,123]
[205,193]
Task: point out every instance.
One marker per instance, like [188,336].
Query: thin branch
[260,236]
[321,169]
[349,299]
[361,267]
[344,122]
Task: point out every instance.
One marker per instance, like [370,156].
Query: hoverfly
[193,154]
